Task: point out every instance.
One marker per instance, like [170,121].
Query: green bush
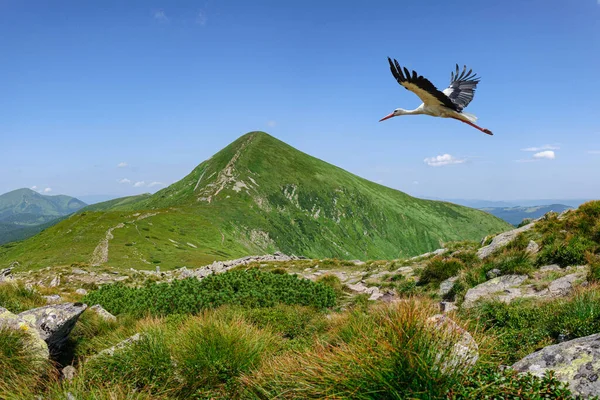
[439,269]
[594,264]
[333,282]
[189,296]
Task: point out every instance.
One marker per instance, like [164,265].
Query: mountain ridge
[256,196]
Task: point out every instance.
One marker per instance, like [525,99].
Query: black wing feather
[420,82]
[462,87]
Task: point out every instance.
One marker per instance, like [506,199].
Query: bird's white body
[448,103]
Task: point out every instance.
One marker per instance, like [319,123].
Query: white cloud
[541,148]
[548,154]
[47,190]
[122,164]
[441,160]
[160,16]
[34,187]
[589,152]
[139,184]
[151,184]
[271,124]
[124,180]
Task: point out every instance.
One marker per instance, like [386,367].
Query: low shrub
[251,288]
[513,261]
[568,252]
[439,269]
[333,282]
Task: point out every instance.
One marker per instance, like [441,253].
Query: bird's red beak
[387,117]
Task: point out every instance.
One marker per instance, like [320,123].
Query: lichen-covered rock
[54,322]
[68,373]
[576,362]
[81,291]
[502,240]
[532,247]
[52,299]
[102,313]
[498,288]
[447,306]
[36,343]
[464,350]
[5,274]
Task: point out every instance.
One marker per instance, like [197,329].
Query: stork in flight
[448,103]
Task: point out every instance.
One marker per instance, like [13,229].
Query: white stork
[448,103]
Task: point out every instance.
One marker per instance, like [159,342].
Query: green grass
[439,269]
[16,298]
[298,204]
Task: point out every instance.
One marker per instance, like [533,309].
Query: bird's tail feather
[472,118]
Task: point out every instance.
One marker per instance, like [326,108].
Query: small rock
[447,286]
[532,247]
[78,271]
[447,306]
[158,269]
[68,373]
[491,274]
[55,281]
[123,344]
[552,267]
[52,299]
[4,273]
[81,291]
[102,313]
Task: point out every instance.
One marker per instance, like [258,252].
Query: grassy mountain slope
[257,195]
[24,212]
[515,215]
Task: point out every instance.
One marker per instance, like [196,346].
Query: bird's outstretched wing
[420,86]
[462,87]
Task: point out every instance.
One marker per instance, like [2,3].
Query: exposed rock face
[5,274]
[54,322]
[360,288]
[36,343]
[502,240]
[102,313]
[447,286]
[491,274]
[576,362]
[499,287]
[465,352]
[431,253]
[447,306]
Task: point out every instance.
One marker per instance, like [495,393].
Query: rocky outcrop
[54,322]
[502,240]
[464,351]
[222,266]
[361,288]
[35,343]
[437,252]
[5,274]
[576,362]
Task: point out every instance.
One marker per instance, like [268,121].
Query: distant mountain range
[515,215]
[256,196]
[476,203]
[24,212]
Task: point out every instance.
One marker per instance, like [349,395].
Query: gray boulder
[500,288]
[102,313]
[532,247]
[491,274]
[576,362]
[35,343]
[463,350]
[54,322]
[502,240]
[5,274]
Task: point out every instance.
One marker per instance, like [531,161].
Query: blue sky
[96,93]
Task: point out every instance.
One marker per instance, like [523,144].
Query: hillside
[256,196]
[516,215]
[24,212]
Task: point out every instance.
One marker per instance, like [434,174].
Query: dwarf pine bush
[189,296]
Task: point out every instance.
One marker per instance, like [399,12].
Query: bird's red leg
[484,130]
